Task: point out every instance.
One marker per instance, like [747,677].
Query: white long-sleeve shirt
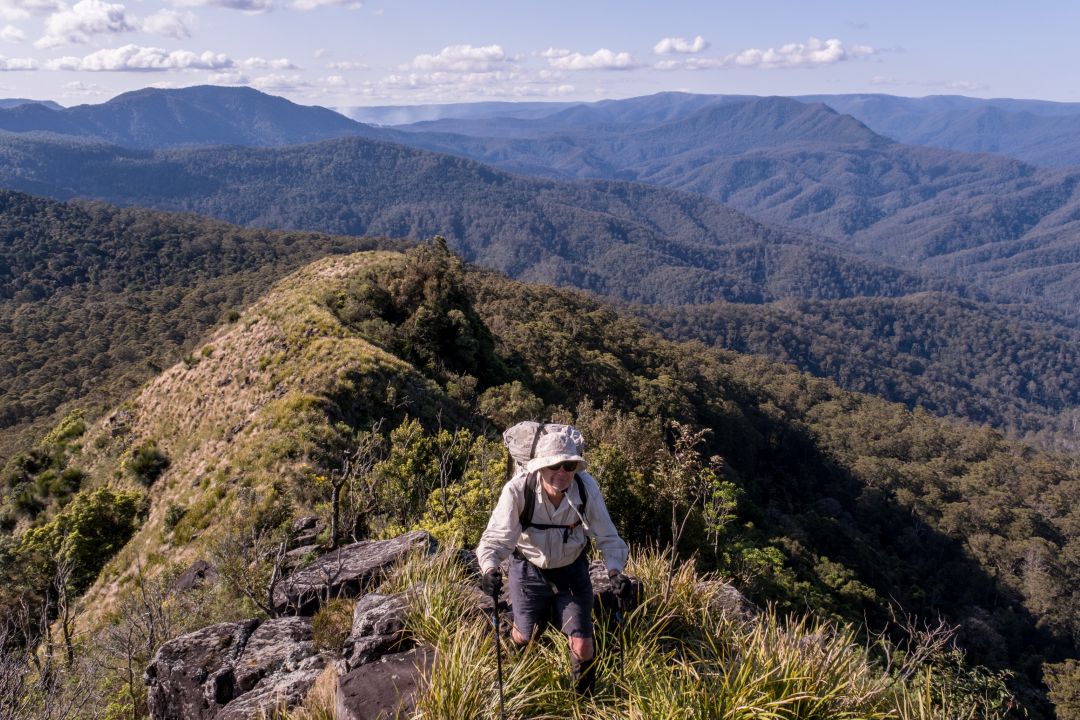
[546,548]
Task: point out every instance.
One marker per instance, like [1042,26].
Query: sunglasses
[568,466]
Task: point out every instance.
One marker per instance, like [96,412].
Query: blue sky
[341,53]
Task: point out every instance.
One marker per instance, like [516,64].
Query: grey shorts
[564,594]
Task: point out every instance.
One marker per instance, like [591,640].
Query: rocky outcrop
[199,574]
[378,628]
[384,689]
[236,671]
[179,679]
[725,598]
[348,571]
[233,671]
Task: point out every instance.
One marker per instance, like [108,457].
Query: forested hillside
[1009,367]
[1003,224]
[200,115]
[94,300]
[625,240]
[808,496]
[1035,131]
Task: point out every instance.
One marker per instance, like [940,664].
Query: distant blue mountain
[194,116]
[1039,132]
[16,102]
[408,114]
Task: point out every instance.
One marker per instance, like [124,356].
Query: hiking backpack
[520,441]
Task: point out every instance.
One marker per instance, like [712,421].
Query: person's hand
[620,584]
[491,582]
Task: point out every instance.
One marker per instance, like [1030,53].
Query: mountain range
[831,211]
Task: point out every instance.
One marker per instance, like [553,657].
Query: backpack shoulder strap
[530,502]
[582,492]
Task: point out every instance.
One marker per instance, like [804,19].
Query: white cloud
[78,88]
[462,59]
[313,4]
[281,83]
[346,65]
[812,52]
[248,6]
[670,45]
[169,23]
[134,58]
[13,64]
[602,59]
[257,63]
[22,9]
[951,85]
[334,81]
[83,20]
[10,33]
[231,77]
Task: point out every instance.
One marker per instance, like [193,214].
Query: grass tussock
[672,656]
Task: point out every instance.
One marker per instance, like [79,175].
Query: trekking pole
[619,639]
[498,650]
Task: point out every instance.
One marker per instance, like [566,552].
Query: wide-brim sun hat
[554,449]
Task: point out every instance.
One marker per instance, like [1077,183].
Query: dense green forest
[628,240]
[806,495]
[995,365]
[95,300]
[1004,225]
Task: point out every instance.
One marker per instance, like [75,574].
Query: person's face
[557,478]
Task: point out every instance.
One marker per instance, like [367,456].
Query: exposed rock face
[729,601]
[305,530]
[378,628]
[345,572]
[236,671]
[200,573]
[384,689]
[233,671]
[181,668]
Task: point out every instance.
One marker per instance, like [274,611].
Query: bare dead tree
[143,622]
[15,666]
[64,565]
[353,486]
[251,559]
[446,467]
[909,643]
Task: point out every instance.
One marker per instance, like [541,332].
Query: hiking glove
[620,584]
[491,582]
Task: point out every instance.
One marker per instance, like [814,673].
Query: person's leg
[531,598]
[574,603]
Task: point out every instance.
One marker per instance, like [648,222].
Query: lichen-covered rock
[199,574]
[276,646]
[725,598]
[180,670]
[378,628]
[345,572]
[306,530]
[233,671]
[277,692]
[384,689]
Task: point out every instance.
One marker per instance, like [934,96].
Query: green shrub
[147,462]
[173,514]
[331,625]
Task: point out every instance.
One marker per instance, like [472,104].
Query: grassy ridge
[828,499]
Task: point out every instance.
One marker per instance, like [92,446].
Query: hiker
[548,567]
